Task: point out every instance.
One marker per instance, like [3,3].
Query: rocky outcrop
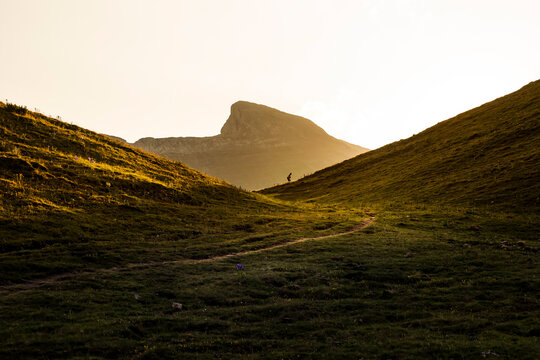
[258,147]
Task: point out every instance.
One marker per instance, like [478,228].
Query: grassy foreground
[420,283]
[129,234]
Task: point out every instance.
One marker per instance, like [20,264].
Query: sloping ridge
[258,147]
[489,155]
[62,157]
[72,199]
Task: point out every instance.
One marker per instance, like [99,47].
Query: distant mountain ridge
[258,147]
[489,155]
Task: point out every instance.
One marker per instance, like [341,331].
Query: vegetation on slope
[73,199]
[489,155]
[417,285]
[424,282]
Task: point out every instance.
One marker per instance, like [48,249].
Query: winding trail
[32,284]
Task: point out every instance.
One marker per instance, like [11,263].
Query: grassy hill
[73,199]
[99,239]
[489,155]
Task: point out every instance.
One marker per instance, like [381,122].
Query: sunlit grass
[82,200]
[131,234]
[488,156]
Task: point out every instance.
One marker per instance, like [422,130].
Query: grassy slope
[488,155]
[420,285]
[424,282]
[73,199]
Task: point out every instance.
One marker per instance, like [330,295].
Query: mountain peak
[248,120]
[258,146]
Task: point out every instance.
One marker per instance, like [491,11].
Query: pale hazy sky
[369,72]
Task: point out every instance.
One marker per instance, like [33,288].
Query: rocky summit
[258,147]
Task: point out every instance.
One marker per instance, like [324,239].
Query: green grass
[488,156]
[418,284]
[71,199]
[433,278]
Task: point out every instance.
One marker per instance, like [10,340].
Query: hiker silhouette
[289,177]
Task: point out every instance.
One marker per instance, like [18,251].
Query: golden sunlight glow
[369,72]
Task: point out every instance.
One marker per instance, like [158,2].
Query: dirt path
[54,278]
